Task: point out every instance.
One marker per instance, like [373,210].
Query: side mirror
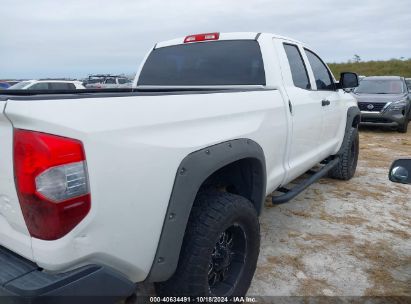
[348,80]
[400,171]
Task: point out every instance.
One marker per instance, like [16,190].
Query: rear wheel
[220,248]
[347,165]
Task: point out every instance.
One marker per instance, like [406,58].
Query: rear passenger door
[330,101]
[305,110]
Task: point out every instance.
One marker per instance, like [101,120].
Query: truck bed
[125,133]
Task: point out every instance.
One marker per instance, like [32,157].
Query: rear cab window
[225,62]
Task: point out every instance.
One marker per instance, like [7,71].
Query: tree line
[392,67]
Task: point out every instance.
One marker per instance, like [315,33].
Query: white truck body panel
[141,138]
[13,229]
[134,145]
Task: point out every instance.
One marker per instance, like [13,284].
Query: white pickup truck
[164,182]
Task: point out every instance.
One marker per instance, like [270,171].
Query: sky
[74,38]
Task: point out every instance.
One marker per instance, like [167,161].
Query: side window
[123,80]
[298,70]
[110,81]
[71,86]
[39,86]
[322,76]
[59,86]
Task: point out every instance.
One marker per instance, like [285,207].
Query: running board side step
[314,176]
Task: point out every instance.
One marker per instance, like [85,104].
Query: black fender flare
[353,120]
[192,172]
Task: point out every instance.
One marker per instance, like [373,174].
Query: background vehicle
[48,84]
[408,82]
[384,100]
[164,183]
[107,82]
[4,85]
[12,82]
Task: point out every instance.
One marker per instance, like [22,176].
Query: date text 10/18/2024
[202,299]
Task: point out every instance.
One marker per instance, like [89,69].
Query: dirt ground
[341,238]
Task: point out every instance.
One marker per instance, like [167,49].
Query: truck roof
[226,36]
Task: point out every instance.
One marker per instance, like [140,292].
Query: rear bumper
[23,282]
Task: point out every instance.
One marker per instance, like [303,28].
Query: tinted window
[380,86]
[123,80]
[39,86]
[297,67]
[110,81]
[59,86]
[321,74]
[237,62]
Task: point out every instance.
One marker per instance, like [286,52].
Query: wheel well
[244,177]
[236,166]
[356,121]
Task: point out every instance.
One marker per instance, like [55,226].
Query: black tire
[403,128]
[347,165]
[216,218]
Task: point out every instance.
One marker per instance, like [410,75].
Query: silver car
[107,82]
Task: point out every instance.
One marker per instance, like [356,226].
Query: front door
[306,112]
[332,104]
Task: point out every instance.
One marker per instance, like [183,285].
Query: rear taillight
[52,183]
[202,37]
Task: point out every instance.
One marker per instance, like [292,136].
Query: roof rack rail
[68,79]
[105,75]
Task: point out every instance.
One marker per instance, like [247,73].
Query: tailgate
[13,231]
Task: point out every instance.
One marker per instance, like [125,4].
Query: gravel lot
[341,238]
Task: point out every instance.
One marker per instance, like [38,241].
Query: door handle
[325,102]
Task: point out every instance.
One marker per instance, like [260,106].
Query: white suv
[107,82]
[48,85]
